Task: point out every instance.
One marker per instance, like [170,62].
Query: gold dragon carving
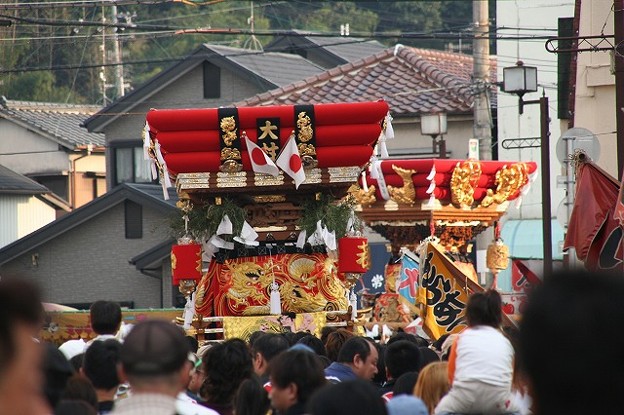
[363,197]
[228,129]
[407,193]
[509,180]
[464,180]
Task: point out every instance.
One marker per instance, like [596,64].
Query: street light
[519,80]
[435,125]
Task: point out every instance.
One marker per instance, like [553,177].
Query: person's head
[294,375]
[255,336]
[334,342]
[100,364]
[197,375]
[361,355]
[406,405]
[354,397]
[57,371]
[251,398]
[401,335]
[76,362]
[427,356]
[313,343]
[432,384]
[226,365]
[105,317]
[380,377]
[74,407]
[401,356]
[484,309]
[80,388]
[21,317]
[404,384]
[193,343]
[154,358]
[265,348]
[569,374]
[326,331]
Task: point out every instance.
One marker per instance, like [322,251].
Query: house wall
[33,154]
[86,188]
[536,17]
[595,85]
[21,215]
[185,92]
[90,262]
[408,138]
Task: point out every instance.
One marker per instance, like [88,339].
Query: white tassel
[189,311]
[389,128]
[364,183]
[432,173]
[276,299]
[301,239]
[383,149]
[353,304]
[146,141]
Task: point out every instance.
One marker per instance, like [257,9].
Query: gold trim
[269,198]
[230,154]
[343,174]
[233,179]
[192,181]
[313,176]
[268,180]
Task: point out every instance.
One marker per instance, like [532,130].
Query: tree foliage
[68,57]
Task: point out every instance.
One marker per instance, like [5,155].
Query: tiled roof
[341,49]
[413,81]
[15,183]
[278,68]
[60,122]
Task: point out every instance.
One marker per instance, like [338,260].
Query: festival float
[268,198]
[264,199]
[436,207]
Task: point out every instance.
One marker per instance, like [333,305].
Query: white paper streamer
[248,236]
[189,311]
[220,243]
[301,239]
[389,128]
[225,226]
[364,183]
[146,141]
[275,303]
[381,181]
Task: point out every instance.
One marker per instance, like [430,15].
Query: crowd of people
[552,364]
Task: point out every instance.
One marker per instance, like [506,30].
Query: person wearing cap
[154,361]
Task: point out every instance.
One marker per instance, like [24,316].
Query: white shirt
[484,354]
[185,405]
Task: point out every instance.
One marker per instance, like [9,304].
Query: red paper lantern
[186,262]
[353,255]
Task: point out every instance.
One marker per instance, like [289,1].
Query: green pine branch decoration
[332,213]
[204,220]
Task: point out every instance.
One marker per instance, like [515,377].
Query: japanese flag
[290,161]
[260,161]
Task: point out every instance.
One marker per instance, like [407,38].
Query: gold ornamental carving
[230,154]
[509,180]
[464,181]
[364,197]
[407,193]
[304,124]
[228,130]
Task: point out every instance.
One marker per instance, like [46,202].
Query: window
[131,167]
[212,81]
[134,220]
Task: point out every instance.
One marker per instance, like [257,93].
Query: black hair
[401,335]
[100,363]
[301,367]
[226,365]
[326,331]
[314,343]
[77,361]
[405,383]
[80,388]
[354,397]
[255,336]
[566,371]
[380,377]
[193,343]
[251,398]
[105,317]
[402,356]
[353,347]
[484,309]
[427,356]
[74,407]
[20,301]
[270,345]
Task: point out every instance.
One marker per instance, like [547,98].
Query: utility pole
[482,129]
[618,56]
[103,70]
[119,77]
